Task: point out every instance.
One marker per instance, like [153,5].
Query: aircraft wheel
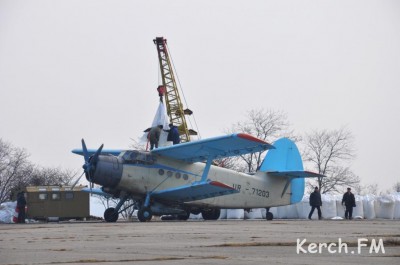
[211,214]
[269,216]
[184,216]
[110,215]
[144,214]
[195,211]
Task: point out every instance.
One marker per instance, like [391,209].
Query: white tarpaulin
[235,214]
[328,206]
[369,207]
[340,208]
[303,208]
[282,212]
[396,206]
[358,211]
[291,212]
[222,215]
[7,210]
[161,118]
[384,208]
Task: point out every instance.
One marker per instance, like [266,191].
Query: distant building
[57,202]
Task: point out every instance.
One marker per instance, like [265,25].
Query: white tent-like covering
[7,211]
[160,118]
[367,207]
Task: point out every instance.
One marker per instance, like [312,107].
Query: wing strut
[207,169]
[289,179]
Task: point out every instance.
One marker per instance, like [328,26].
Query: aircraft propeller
[90,164]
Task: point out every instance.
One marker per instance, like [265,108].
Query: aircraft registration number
[261,193]
[254,191]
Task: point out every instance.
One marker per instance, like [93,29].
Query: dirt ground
[202,242]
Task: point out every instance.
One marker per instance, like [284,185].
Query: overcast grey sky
[73,69]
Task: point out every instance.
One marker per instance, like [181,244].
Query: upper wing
[114,152]
[195,191]
[217,147]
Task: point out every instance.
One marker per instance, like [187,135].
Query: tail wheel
[144,214]
[269,216]
[210,214]
[111,215]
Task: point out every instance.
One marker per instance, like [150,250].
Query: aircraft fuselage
[254,191]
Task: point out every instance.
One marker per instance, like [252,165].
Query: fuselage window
[161,171]
[169,173]
[178,175]
[185,176]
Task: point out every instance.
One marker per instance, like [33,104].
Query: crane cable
[183,94]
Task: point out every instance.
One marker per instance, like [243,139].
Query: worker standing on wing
[154,136]
[173,134]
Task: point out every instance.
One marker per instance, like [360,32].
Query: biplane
[181,179]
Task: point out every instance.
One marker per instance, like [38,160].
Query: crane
[169,91]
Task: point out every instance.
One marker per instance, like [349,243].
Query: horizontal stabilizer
[196,191]
[295,174]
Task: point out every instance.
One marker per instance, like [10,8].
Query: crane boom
[173,101]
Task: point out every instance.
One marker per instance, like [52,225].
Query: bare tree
[367,189]
[138,145]
[17,172]
[267,125]
[43,176]
[330,152]
[14,165]
[396,187]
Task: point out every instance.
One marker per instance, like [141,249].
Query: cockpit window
[138,157]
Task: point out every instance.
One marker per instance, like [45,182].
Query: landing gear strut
[111,214]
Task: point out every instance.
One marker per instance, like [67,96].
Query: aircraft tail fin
[285,161]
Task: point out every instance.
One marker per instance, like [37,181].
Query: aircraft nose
[108,171]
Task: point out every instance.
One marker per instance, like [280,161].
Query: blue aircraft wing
[217,147]
[97,191]
[114,152]
[195,191]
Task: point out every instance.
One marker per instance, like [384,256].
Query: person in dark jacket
[154,136]
[349,201]
[315,202]
[21,203]
[173,134]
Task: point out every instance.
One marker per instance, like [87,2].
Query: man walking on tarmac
[349,201]
[21,203]
[315,202]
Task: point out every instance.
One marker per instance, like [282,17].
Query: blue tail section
[286,157]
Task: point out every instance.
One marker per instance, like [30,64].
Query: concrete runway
[200,242]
